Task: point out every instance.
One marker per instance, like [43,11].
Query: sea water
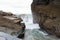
[33,32]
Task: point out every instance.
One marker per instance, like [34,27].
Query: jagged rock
[48,16]
[11,24]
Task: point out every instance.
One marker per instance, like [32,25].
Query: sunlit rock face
[11,24]
[48,16]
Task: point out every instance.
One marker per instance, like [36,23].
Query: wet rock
[48,17]
[21,35]
[11,24]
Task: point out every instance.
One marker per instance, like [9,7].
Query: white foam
[5,36]
[2,38]
[32,26]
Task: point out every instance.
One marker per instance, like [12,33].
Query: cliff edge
[47,14]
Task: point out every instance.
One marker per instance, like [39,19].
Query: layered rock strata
[11,24]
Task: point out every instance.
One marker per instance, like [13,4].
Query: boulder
[11,24]
[48,16]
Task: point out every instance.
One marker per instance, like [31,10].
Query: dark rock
[48,17]
[41,2]
[21,35]
[56,2]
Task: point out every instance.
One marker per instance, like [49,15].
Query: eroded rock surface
[48,16]
[11,24]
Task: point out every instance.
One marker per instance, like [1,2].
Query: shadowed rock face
[11,24]
[42,2]
[48,16]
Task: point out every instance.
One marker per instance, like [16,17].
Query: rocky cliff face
[47,14]
[11,24]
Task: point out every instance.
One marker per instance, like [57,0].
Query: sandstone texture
[11,24]
[47,14]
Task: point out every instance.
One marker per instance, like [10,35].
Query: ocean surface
[32,31]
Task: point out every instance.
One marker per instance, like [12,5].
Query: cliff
[47,14]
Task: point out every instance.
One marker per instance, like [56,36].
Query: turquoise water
[32,31]
[36,34]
